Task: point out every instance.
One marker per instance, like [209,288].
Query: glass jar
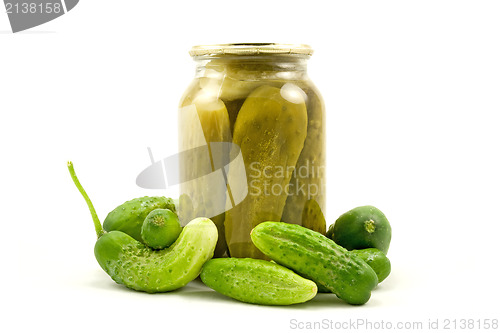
[252,142]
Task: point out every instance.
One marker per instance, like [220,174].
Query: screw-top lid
[245,49]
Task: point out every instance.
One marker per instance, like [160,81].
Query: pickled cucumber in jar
[270,130]
[203,190]
[258,99]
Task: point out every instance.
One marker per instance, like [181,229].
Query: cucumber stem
[97,224]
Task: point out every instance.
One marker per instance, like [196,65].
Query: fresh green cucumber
[377,260]
[139,267]
[129,216]
[361,228]
[160,229]
[317,258]
[257,281]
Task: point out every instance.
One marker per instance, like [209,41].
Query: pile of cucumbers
[142,246]
[305,261]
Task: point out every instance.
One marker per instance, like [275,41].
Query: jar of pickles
[252,142]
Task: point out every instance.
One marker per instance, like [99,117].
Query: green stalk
[97,224]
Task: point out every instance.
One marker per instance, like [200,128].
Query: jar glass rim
[246,49]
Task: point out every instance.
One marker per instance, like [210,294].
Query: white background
[412,95]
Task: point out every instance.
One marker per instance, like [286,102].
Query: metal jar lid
[246,49]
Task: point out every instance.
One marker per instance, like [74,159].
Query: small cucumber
[361,228]
[139,267]
[318,258]
[377,261]
[129,216]
[257,281]
[160,229]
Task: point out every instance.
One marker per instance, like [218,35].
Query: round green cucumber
[160,229]
[362,227]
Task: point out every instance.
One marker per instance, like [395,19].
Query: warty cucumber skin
[377,260]
[317,258]
[129,262]
[129,216]
[257,281]
[160,229]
